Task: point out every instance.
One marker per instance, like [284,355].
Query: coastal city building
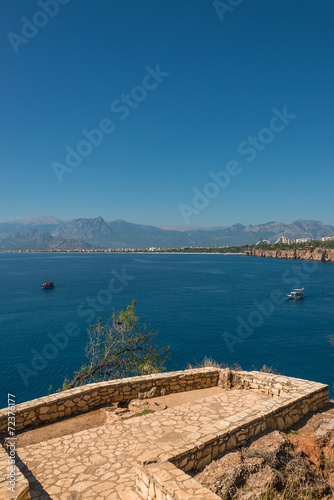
[327,238]
[281,239]
[263,242]
[302,240]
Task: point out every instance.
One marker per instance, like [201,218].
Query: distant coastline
[321,251]
[318,254]
[118,252]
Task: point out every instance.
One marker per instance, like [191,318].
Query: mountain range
[34,240]
[45,232]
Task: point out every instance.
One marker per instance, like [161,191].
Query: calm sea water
[196,302]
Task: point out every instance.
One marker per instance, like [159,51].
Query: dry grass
[271,468]
[294,489]
[211,363]
[295,478]
[269,369]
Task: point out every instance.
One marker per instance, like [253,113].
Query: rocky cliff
[319,254]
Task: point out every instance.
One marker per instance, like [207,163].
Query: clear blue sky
[225,78]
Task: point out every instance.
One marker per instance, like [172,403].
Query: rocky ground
[297,464]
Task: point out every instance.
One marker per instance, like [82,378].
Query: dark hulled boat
[47,284]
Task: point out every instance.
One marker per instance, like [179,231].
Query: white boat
[296,294]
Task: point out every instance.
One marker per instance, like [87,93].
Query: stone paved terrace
[209,411]
[100,463]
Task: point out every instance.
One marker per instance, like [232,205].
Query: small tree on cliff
[118,349]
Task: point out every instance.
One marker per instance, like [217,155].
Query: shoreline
[25,252]
[319,254]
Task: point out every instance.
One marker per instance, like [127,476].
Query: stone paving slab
[100,463]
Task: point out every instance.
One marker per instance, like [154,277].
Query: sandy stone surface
[99,462]
[69,426]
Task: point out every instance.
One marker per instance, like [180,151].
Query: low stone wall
[57,406]
[162,476]
[264,417]
[11,488]
[164,481]
[268,384]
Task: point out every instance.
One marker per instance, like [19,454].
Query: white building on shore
[263,242]
[327,238]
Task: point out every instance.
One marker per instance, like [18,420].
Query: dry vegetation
[212,363]
[297,465]
[270,468]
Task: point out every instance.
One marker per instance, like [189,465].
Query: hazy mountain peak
[39,220]
[120,233]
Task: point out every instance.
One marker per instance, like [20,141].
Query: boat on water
[296,294]
[47,284]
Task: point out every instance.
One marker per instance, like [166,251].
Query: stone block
[231,443]
[280,423]
[44,417]
[295,418]
[203,462]
[151,490]
[207,451]
[215,451]
[182,463]
[69,404]
[288,422]
[142,477]
[160,495]
[222,447]
[143,490]
[189,466]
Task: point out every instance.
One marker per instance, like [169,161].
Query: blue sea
[228,307]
